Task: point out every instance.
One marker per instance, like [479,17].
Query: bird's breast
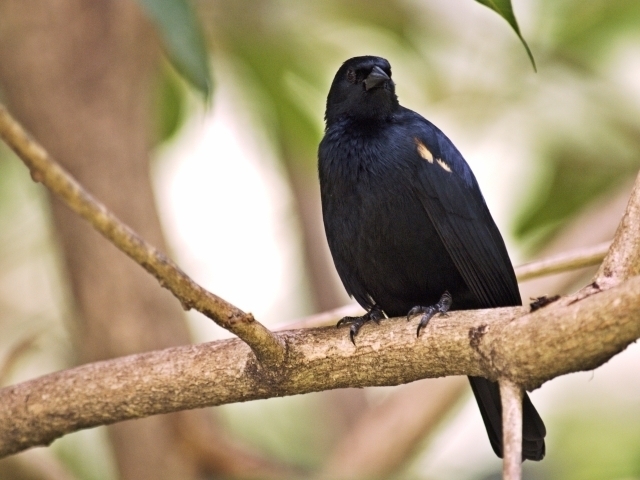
[380,235]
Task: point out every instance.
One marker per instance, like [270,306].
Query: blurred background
[198,124]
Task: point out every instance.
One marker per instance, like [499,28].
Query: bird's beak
[375,78]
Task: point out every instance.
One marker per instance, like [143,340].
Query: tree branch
[44,169]
[623,259]
[526,348]
[511,399]
[564,262]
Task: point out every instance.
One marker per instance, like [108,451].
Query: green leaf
[505,10]
[183,39]
[170,104]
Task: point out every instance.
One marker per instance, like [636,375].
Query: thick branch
[45,170]
[529,350]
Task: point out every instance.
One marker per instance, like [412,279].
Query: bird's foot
[374,314]
[442,307]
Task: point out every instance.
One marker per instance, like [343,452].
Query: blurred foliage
[585,33]
[571,179]
[87,454]
[170,104]
[182,35]
[270,44]
[273,52]
[505,10]
[591,150]
[283,436]
[282,63]
[597,444]
[29,263]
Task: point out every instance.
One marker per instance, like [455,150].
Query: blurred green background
[236,113]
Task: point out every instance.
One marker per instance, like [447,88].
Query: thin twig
[15,354]
[44,169]
[511,399]
[323,319]
[564,262]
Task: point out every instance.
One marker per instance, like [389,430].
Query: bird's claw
[356,323]
[441,307]
[374,314]
[353,331]
[345,320]
[415,311]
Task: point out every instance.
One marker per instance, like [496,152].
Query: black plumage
[406,221]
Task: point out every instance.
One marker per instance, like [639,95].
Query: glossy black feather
[406,221]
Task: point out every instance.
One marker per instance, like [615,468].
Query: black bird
[407,225]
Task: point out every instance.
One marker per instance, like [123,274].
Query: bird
[408,229]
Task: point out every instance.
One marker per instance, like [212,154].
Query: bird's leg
[442,307]
[375,314]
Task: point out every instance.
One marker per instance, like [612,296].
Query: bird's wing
[451,197]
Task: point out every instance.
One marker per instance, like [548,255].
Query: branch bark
[511,399]
[623,259]
[526,348]
[45,170]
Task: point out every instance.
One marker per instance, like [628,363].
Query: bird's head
[362,89]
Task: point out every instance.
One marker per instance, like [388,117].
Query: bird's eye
[351,76]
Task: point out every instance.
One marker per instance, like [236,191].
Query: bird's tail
[487,395]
